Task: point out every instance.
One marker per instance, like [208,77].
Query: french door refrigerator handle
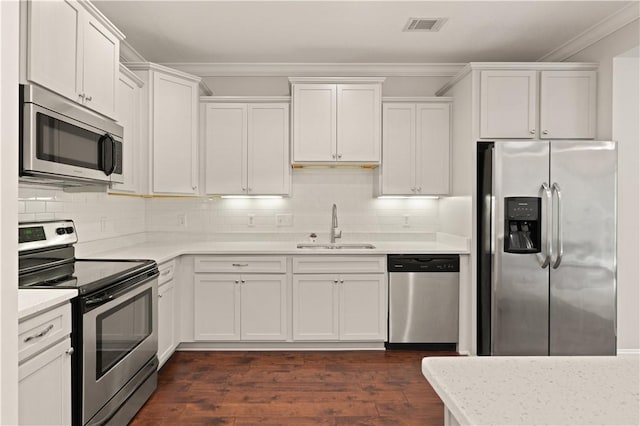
[546,260]
[559,239]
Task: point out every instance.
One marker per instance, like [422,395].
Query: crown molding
[595,33]
[129,54]
[337,80]
[317,69]
[89,7]
[131,75]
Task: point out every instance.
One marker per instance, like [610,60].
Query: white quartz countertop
[32,301]
[579,390]
[167,250]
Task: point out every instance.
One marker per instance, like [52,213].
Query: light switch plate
[284,219]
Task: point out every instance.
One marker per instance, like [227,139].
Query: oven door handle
[97,301]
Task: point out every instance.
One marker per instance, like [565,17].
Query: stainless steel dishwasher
[423,300]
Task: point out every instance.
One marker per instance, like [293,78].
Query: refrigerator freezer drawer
[423,307]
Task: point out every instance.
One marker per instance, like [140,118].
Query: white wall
[603,52]
[626,130]
[8,212]
[97,216]
[279,86]
[313,193]
[623,91]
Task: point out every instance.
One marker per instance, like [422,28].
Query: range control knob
[61,231]
[69,229]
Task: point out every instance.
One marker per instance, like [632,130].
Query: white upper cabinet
[335,123]
[247,148]
[568,104]
[169,128]
[555,104]
[128,116]
[415,148]
[70,48]
[508,104]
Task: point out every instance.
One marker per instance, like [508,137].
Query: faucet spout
[335,232]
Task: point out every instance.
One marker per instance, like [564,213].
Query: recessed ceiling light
[424,24]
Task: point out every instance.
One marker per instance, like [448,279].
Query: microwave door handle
[108,170]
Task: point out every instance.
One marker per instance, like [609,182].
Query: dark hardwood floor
[278,388]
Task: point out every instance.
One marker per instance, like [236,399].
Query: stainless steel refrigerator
[546,214]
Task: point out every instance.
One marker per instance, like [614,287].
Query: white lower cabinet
[167,341]
[240,307]
[340,306]
[44,370]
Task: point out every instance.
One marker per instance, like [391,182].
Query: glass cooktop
[85,275]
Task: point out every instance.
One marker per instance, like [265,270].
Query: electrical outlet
[405,220]
[284,219]
[103,224]
[182,219]
[251,219]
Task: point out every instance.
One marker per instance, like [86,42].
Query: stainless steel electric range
[114,334]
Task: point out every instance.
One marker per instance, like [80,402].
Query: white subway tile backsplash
[54,206]
[35,206]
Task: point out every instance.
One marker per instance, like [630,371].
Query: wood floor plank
[315,388]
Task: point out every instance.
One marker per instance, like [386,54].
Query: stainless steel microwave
[63,143]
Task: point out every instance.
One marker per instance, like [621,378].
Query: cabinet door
[53,45]
[508,103]
[166,321]
[398,149]
[100,63]
[358,122]
[568,104]
[175,135]
[363,312]
[268,149]
[226,148]
[315,307]
[432,149]
[44,387]
[263,307]
[217,307]
[314,122]
[127,114]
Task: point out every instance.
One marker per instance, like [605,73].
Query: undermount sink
[353,246]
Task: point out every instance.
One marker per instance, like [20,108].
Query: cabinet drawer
[39,332]
[339,264]
[241,264]
[166,272]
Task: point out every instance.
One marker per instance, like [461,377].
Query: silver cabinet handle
[545,132]
[532,131]
[419,189]
[237,281]
[548,230]
[559,239]
[239,264]
[335,281]
[38,335]
[165,272]
[160,296]
[333,156]
[88,98]
[249,189]
[339,156]
[243,281]
[81,95]
[341,281]
[70,351]
[413,189]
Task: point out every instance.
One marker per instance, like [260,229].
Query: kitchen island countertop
[578,390]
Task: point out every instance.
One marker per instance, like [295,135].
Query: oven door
[119,337]
[59,146]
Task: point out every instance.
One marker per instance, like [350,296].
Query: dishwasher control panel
[423,263]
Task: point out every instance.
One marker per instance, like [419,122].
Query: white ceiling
[350,31]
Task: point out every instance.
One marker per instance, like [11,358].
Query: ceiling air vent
[424,24]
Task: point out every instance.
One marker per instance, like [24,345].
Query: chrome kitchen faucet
[335,231]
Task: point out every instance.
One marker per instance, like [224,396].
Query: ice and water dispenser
[522,226]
